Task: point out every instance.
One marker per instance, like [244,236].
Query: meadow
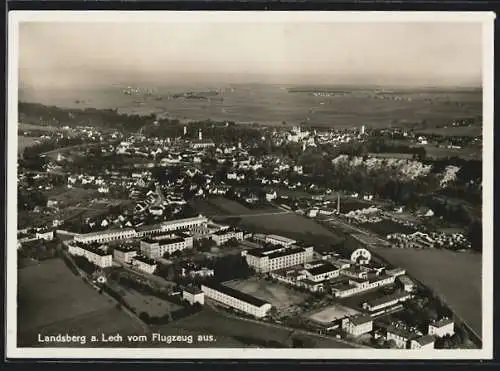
[273,104]
[455,277]
[290,225]
[52,300]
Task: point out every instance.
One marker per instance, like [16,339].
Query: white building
[221,237]
[358,285]
[156,247]
[277,257]
[106,236]
[236,299]
[279,240]
[144,264]
[321,271]
[47,235]
[96,255]
[443,327]
[407,283]
[124,254]
[386,301]
[357,325]
[400,336]
[423,342]
[193,295]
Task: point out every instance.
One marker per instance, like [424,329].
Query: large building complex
[97,255]
[193,224]
[156,247]
[267,259]
[124,254]
[223,236]
[236,299]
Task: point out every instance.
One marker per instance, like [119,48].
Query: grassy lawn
[52,300]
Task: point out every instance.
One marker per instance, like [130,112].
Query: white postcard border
[15,17]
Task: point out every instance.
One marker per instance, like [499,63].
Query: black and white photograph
[313,185]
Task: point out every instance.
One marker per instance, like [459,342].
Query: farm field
[278,295]
[142,302]
[224,206]
[52,300]
[24,142]
[462,131]
[273,104]
[455,277]
[290,225]
[71,196]
[331,313]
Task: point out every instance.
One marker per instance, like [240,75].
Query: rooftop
[425,340]
[325,268]
[236,294]
[145,259]
[360,319]
[388,298]
[442,322]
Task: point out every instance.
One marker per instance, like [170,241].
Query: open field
[459,131]
[223,206]
[24,142]
[332,313]
[455,277]
[72,196]
[290,225]
[47,128]
[468,153]
[276,294]
[142,302]
[52,300]
[273,104]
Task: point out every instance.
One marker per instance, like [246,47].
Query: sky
[85,54]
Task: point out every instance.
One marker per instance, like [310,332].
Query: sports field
[332,313]
[279,296]
[52,300]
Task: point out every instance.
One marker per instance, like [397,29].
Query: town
[285,226]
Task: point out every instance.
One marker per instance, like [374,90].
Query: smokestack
[200,136]
[338,203]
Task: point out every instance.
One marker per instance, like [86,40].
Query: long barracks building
[193,224]
[236,299]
